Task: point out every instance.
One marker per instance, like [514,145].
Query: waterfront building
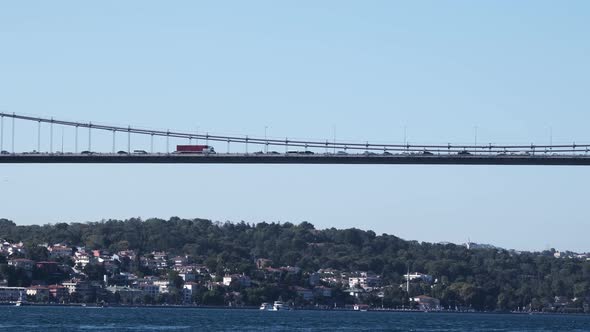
[11,294]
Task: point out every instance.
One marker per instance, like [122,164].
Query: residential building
[40,293]
[365,281]
[188,290]
[59,250]
[81,258]
[22,263]
[47,267]
[242,280]
[164,286]
[305,293]
[126,294]
[150,289]
[323,291]
[10,294]
[419,276]
[82,288]
[180,260]
[58,292]
[314,279]
[188,276]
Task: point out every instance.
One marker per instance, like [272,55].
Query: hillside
[482,279]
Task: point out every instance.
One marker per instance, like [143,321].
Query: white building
[419,276]
[365,281]
[82,259]
[188,290]
[243,281]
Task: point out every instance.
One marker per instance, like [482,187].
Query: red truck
[194,149]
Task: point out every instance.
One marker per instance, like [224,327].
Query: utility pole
[114,141]
[334,137]
[168,141]
[265,140]
[405,135]
[152,143]
[1,132]
[39,136]
[51,136]
[76,141]
[90,137]
[475,140]
[12,133]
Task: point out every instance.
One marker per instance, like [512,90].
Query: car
[342,153]
[386,153]
[86,152]
[122,152]
[369,153]
[427,153]
[139,152]
[259,152]
[272,152]
[292,152]
[4,152]
[463,153]
[307,152]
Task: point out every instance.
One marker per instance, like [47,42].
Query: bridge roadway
[351,159]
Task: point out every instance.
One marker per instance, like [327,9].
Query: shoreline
[376,310]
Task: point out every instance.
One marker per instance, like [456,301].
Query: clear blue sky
[514,69]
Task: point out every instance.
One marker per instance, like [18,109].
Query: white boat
[280,306]
[266,306]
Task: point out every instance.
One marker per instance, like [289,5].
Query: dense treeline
[483,279]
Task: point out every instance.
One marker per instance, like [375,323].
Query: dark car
[122,152]
[4,152]
[307,152]
[463,153]
[427,153]
[86,152]
[386,153]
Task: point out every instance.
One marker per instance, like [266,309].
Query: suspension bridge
[262,150]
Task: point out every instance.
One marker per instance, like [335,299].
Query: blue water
[30,318]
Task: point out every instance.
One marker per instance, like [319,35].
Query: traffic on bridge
[257,150]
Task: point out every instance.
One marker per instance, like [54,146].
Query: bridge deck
[581,160]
